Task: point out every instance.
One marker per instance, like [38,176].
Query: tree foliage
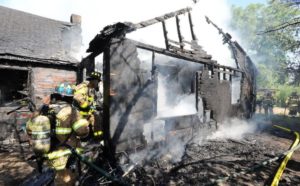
[269,32]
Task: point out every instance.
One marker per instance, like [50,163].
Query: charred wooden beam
[182,55]
[180,37]
[88,63]
[234,46]
[211,69]
[153,66]
[161,18]
[193,53]
[192,26]
[165,35]
[15,62]
[155,81]
[224,74]
[14,67]
[46,61]
[196,49]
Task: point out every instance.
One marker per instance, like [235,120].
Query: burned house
[36,54]
[153,93]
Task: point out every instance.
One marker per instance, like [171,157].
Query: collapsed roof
[173,48]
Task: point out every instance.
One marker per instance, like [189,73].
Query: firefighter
[268,102]
[293,103]
[259,102]
[87,103]
[59,128]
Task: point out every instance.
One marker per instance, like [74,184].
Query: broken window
[176,86]
[13,85]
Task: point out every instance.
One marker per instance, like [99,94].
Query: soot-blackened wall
[216,95]
[130,98]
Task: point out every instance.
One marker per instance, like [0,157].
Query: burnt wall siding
[44,80]
[216,95]
[132,103]
[248,89]
[246,86]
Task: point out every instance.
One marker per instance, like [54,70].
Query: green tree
[270,46]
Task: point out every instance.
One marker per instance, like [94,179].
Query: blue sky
[3,2]
[245,2]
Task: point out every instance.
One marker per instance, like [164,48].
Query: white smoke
[234,129]
[181,105]
[169,148]
[208,36]
[97,14]
[172,152]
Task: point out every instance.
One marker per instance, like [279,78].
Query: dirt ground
[13,167]
[212,162]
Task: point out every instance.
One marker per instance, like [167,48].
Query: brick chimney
[75,19]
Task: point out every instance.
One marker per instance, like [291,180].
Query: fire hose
[287,157]
[266,162]
[95,167]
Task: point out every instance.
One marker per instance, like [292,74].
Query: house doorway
[13,85]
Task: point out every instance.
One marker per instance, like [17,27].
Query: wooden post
[211,69]
[179,32]
[165,35]
[192,26]
[224,74]
[197,89]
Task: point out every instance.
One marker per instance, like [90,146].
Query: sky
[244,3]
[96,14]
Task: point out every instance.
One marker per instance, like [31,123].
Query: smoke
[171,152]
[180,104]
[169,146]
[172,149]
[97,14]
[234,129]
[208,36]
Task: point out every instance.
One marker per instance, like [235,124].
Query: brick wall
[44,81]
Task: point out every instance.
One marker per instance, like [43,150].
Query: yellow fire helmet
[94,75]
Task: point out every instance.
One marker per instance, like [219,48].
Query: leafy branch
[292,22]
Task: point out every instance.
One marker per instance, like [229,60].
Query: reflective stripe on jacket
[58,159]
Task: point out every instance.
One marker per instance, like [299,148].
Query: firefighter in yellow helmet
[67,129]
[85,101]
